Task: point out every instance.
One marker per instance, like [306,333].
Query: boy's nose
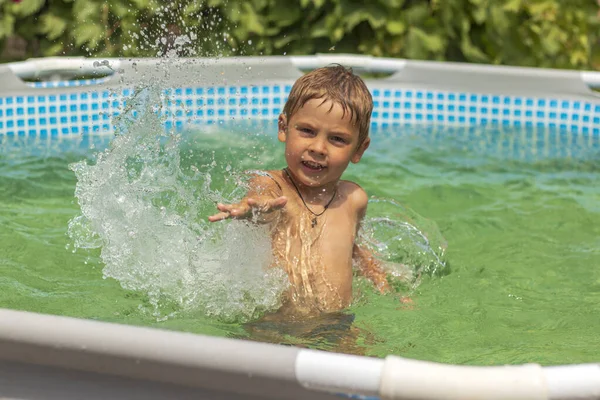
[318,146]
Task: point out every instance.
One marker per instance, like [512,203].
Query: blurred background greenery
[542,33]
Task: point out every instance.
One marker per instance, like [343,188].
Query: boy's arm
[370,268]
[368,265]
[263,198]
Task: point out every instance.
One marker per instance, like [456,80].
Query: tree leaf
[471,52]
[281,14]
[539,8]
[7,27]
[419,44]
[355,12]
[337,34]
[85,10]
[88,34]
[499,20]
[376,15]
[303,46]
[233,11]
[192,8]
[480,14]
[119,9]
[512,5]
[251,20]
[259,5]
[319,3]
[29,7]
[394,46]
[319,29]
[216,3]
[285,40]
[54,49]
[395,27]
[417,14]
[52,26]
[143,4]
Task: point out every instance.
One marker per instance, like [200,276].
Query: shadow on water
[331,331]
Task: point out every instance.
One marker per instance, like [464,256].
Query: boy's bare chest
[331,233]
[318,256]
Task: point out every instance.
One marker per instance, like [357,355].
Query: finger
[268,205]
[218,217]
[239,211]
[225,207]
[260,205]
[278,203]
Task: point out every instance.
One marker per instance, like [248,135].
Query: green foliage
[545,33]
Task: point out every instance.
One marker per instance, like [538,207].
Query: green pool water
[519,210]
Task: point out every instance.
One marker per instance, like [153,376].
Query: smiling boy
[315,216]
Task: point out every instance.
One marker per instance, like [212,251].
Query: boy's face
[320,143]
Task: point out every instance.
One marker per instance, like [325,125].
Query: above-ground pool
[486,180]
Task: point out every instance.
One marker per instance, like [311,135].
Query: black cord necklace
[313,222]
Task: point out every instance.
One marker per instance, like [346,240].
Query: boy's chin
[314,178]
[318,180]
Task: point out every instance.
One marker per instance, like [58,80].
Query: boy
[315,216]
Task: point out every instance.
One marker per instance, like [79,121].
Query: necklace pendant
[313,223]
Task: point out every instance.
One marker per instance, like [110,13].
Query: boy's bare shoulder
[265,180]
[356,194]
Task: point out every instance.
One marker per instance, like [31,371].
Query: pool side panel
[493,79]
[25,381]
[219,364]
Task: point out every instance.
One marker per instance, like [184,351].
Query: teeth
[313,165]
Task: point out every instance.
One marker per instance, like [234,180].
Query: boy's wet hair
[339,85]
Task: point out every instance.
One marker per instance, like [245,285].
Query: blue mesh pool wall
[201,93]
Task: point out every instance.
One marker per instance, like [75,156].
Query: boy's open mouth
[313,165]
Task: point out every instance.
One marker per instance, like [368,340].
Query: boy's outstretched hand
[249,208]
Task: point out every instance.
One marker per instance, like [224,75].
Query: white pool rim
[49,66]
[257,369]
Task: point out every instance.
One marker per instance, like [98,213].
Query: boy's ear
[282,127]
[361,150]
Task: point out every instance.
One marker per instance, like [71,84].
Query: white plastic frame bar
[199,361]
[421,380]
[64,66]
[36,68]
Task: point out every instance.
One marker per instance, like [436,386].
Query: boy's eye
[305,130]
[338,139]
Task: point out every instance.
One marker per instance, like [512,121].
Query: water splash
[404,239]
[146,210]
